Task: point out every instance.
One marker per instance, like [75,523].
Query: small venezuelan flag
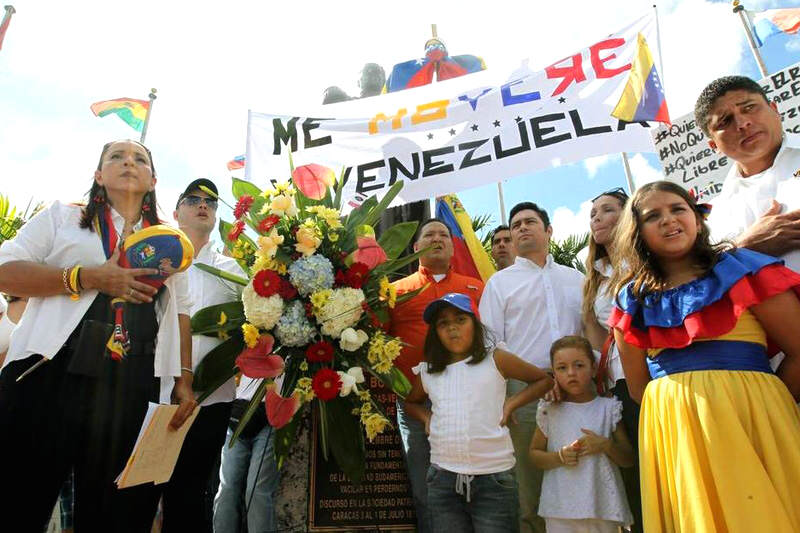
[236,163]
[469,257]
[774,21]
[643,97]
[131,111]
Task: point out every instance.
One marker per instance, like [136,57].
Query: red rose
[326,384]
[287,290]
[266,283]
[320,352]
[356,275]
[268,223]
[236,230]
[242,206]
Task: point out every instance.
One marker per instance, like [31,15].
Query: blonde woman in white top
[64,403]
[471,481]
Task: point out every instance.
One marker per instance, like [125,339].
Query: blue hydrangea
[311,274]
[293,328]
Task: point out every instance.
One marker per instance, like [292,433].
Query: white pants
[585,525]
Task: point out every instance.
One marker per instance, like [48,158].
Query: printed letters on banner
[465,132]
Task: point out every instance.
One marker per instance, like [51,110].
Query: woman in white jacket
[82,409]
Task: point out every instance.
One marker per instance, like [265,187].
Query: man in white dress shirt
[528,306]
[759,206]
[184,495]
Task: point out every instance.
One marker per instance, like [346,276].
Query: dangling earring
[146,203]
[100,197]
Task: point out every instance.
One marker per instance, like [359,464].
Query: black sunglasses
[193,201]
[619,192]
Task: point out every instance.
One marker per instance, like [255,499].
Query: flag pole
[152,97]
[628,175]
[739,8]
[6,21]
[502,203]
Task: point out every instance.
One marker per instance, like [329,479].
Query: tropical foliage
[566,252]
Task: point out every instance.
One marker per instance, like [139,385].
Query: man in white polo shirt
[528,306]
[184,495]
[759,206]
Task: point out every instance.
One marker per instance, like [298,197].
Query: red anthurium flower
[313,180]
[268,223]
[356,275]
[243,206]
[280,410]
[287,290]
[320,352]
[257,362]
[266,283]
[369,252]
[236,230]
[326,384]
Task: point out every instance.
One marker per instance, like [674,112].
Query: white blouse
[53,237]
[603,305]
[467,406]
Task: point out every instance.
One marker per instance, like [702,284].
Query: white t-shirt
[744,200]
[603,305]
[593,488]
[53,237]
[467,406]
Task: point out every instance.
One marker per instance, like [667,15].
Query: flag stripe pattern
[469,257]
[643,96]
[132,112]
[774,21]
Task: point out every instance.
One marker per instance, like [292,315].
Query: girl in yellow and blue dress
[718,430]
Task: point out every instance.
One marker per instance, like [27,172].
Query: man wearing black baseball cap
[194,187]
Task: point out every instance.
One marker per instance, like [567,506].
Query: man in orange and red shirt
[436,278]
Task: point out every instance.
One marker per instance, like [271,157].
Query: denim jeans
[417,453]
[484,503]
[248,478]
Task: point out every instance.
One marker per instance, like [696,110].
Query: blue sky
[211,63]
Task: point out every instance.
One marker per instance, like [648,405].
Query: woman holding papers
[69,398]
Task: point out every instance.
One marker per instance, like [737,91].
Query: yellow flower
[250,334]
[222,318]
[304,390]
[223,335]
[364,395]
[268,263]
[333,236]
[283,205]
[387,291]
[268,244]
[307,240]
[374,425]
[304,366]
[329,215]
[319,299]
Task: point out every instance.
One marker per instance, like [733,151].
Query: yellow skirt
[719,451]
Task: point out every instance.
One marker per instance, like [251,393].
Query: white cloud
[565,222]
[593,164]
[642,171]
[793,45]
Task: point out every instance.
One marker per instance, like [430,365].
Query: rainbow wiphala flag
[131,111]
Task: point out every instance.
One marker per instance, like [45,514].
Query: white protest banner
[683,148]
[464,132]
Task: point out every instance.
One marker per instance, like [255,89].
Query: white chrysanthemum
[261,312]
[342,310]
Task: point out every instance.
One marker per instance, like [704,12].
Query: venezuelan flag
[418,72]
[236,163]
[643,97]
[774,21]
[469,257]
[131,111]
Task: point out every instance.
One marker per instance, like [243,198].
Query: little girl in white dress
[580,443]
